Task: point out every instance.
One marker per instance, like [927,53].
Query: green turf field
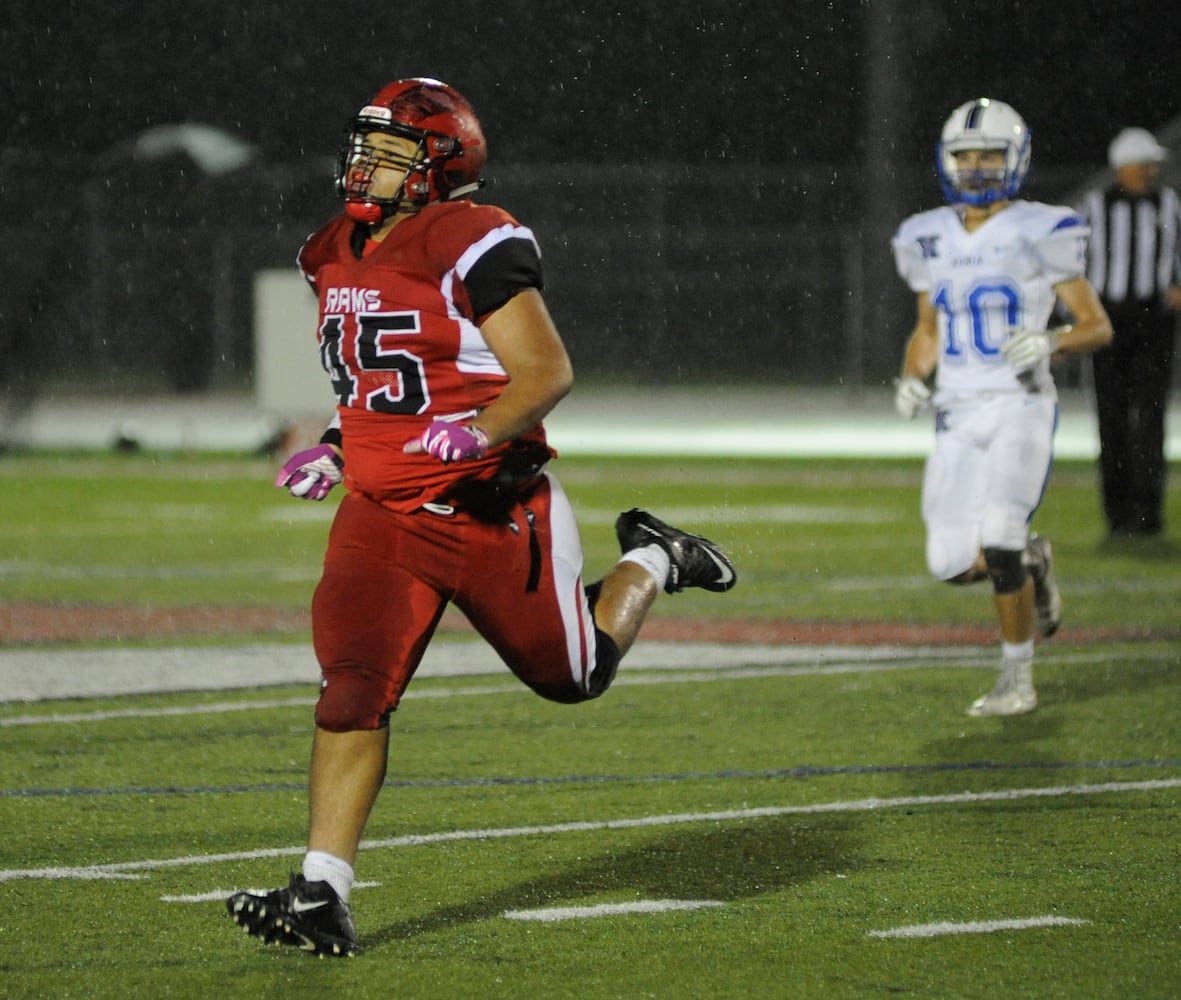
[832,826]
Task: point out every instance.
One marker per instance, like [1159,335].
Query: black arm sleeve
[509,267]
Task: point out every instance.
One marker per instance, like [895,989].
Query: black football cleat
[694,561]
[1039,558]
[305,915]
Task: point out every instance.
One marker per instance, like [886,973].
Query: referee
[1135,265]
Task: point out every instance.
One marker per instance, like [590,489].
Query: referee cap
[1135,145]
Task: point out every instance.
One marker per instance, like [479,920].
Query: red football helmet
[447,164]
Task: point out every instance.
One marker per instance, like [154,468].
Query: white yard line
[553,914]
[976,927]
[129,869]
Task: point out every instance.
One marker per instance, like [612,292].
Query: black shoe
[694,561]
[306,915]
[1039,558]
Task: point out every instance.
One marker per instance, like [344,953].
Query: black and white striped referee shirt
[1135,250]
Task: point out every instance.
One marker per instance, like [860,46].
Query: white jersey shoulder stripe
[494,237]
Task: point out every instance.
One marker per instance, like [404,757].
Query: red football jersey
[400,336]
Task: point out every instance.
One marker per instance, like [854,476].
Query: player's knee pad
[1006,568]
[351,700]
[607,657]
[602,673]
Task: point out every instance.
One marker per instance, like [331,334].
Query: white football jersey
[984,283]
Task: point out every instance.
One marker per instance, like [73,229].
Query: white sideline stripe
[32,675]
[220,895]
[64,718]
[632,680]
[871,659]
[553,914]
[976,927]
[418,840]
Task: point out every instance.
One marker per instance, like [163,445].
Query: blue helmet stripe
[975,113]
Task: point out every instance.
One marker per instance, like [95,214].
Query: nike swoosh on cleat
[727,572]
[302,906]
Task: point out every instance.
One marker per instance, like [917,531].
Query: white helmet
[983,124]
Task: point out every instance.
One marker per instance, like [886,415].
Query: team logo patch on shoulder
[929,245]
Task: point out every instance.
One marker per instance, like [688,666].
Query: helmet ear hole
[444,146]
[418,186]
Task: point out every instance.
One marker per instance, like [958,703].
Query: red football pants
[388,577]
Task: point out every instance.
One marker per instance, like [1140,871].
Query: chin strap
[465,189]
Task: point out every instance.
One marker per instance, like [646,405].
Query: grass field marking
[634,680]
[494,781]
[123,869]
[870,659]
[553,914]
[308,513]
[584,826]
[72,718]
[236,706]
[693,651]
[976,927]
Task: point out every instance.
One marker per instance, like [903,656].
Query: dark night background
[703,80]
[766,118]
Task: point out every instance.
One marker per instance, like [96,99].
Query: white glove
[1025,348]
[910,396]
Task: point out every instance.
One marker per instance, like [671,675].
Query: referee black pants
[1132,383]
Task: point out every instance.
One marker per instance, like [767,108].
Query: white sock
[1017,650]
[654,559]
[319,866]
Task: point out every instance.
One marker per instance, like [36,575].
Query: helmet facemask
[977,185]
[358,161]
[983,125]
[446,162]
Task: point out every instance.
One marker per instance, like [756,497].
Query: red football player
[445,361]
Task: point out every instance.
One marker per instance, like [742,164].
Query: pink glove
[312,473]
[449,442]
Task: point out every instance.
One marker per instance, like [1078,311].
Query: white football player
[987,270]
